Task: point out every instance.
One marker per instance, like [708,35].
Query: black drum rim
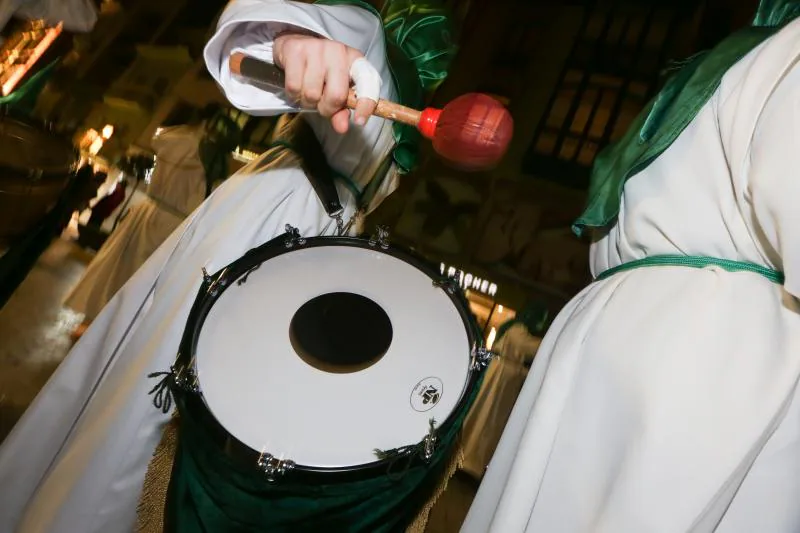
[214,286]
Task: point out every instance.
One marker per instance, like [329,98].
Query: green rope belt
[695,262]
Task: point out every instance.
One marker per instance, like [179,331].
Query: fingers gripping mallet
[472,132]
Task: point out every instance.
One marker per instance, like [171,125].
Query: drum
[36,165]
[317,370]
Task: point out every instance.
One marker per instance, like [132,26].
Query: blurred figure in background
[78,195]
[516,345]
[91,234]
[188,159]
[108,204]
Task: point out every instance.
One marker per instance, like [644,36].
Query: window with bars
[611,73]
[575,133]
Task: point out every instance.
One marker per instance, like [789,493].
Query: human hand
[318,73]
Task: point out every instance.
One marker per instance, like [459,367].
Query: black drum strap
[294,133]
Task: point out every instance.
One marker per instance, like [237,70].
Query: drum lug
[380,237]
[272,467]
[185,379]
[214,284]
[429,442]
[293,237]
[449,284]
[481,357]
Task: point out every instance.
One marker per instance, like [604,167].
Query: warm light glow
[244,156]
[467,280]
[96,145]
[108,131]
[490,338]
[499,308]
[19,71]
[88,138]
[158,131]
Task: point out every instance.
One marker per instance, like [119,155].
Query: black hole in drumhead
[340,332]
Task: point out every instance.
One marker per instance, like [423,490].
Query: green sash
[690,261]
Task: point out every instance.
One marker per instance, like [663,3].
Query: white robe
[665,399]
[76,461]
[177,187]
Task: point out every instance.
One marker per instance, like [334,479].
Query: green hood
[668,114]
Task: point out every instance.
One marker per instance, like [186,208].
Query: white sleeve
[774,182]
[251,25]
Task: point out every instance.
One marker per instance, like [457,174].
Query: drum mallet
[472,132]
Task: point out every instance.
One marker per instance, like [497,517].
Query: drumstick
[473,131]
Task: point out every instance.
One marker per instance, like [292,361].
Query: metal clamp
[185,379]
[345,228]
[380,237]
[337,216]
[429,442]
[481,357]
[272,467]
[214,285]
[293,237]
[449,284]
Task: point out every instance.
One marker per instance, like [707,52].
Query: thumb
[364,109]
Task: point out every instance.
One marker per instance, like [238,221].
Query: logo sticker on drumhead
[426,394]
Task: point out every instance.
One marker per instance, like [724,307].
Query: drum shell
[378,497]
[214,286]
[29,189]
[369,500]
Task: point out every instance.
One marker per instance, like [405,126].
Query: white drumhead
[265,395]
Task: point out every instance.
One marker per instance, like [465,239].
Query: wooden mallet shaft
[263,73]
[472,132]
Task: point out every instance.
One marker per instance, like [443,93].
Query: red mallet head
[472,132]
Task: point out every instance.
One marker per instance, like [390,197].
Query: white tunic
[76,460]
[177,187]
[664,399]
